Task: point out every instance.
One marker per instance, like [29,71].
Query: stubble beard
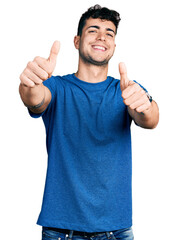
[90,61]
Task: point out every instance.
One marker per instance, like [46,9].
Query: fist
[40,68]
[133,95]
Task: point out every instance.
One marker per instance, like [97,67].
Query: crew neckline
[89,85]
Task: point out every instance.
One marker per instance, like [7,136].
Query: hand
[40,68]
[133,95]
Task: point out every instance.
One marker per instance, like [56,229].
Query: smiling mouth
[99,48]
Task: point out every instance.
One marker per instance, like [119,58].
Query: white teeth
[99,47]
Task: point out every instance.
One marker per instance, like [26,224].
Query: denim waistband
[78,233]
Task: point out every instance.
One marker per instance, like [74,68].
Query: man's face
[97,43]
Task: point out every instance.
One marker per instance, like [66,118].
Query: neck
[92,73]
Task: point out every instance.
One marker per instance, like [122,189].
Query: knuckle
[137,87]
[123,94]
[45,76]
[134,84]
[26,72]
[42,78]
[142,91]
[21,76]
[139,110]
[29,64]
[36,59]
[132,107]
[126,102]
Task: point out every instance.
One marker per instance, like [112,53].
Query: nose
[101,36]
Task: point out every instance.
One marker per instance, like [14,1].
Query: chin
[99,63]
[94,60]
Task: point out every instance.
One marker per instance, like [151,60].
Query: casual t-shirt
[89,173]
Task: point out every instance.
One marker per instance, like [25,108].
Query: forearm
[147,119]
[32,91]
[32,96]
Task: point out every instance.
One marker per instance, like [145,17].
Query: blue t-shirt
[88,181]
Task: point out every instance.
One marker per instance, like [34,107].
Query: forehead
[102,23]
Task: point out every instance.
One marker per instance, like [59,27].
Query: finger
[124,81]
[37,70]
[26,81]
[44,64]
[135,97]
[131,89]
[54,52]
[144,107]
[33,77]
[139,103]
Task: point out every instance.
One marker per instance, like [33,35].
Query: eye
[110,35]
[92,31]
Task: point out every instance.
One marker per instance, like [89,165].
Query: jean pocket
[50,235]
[125,234]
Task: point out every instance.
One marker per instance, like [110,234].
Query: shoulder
[113,79]
[114,82]
[55,81]
[62,79]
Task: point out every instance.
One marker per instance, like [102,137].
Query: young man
[87,116]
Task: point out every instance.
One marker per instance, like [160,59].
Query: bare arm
[142,111]
[147,119]
[32,91]
[37,98]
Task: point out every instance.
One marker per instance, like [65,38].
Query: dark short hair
[98,12]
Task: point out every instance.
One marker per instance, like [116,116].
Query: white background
[147,42]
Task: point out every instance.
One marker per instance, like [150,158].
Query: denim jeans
[125,234]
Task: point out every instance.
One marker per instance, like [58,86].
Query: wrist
[33,107]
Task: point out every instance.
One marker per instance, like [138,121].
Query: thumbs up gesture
[40,68]
[133,95]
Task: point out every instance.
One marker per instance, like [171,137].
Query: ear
[77,42]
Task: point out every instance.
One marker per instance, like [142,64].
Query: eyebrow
[97,27]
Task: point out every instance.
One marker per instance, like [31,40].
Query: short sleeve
[50,83]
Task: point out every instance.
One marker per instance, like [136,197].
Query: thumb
[124,81]
[54,52]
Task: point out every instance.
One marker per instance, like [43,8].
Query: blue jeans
[125,234]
